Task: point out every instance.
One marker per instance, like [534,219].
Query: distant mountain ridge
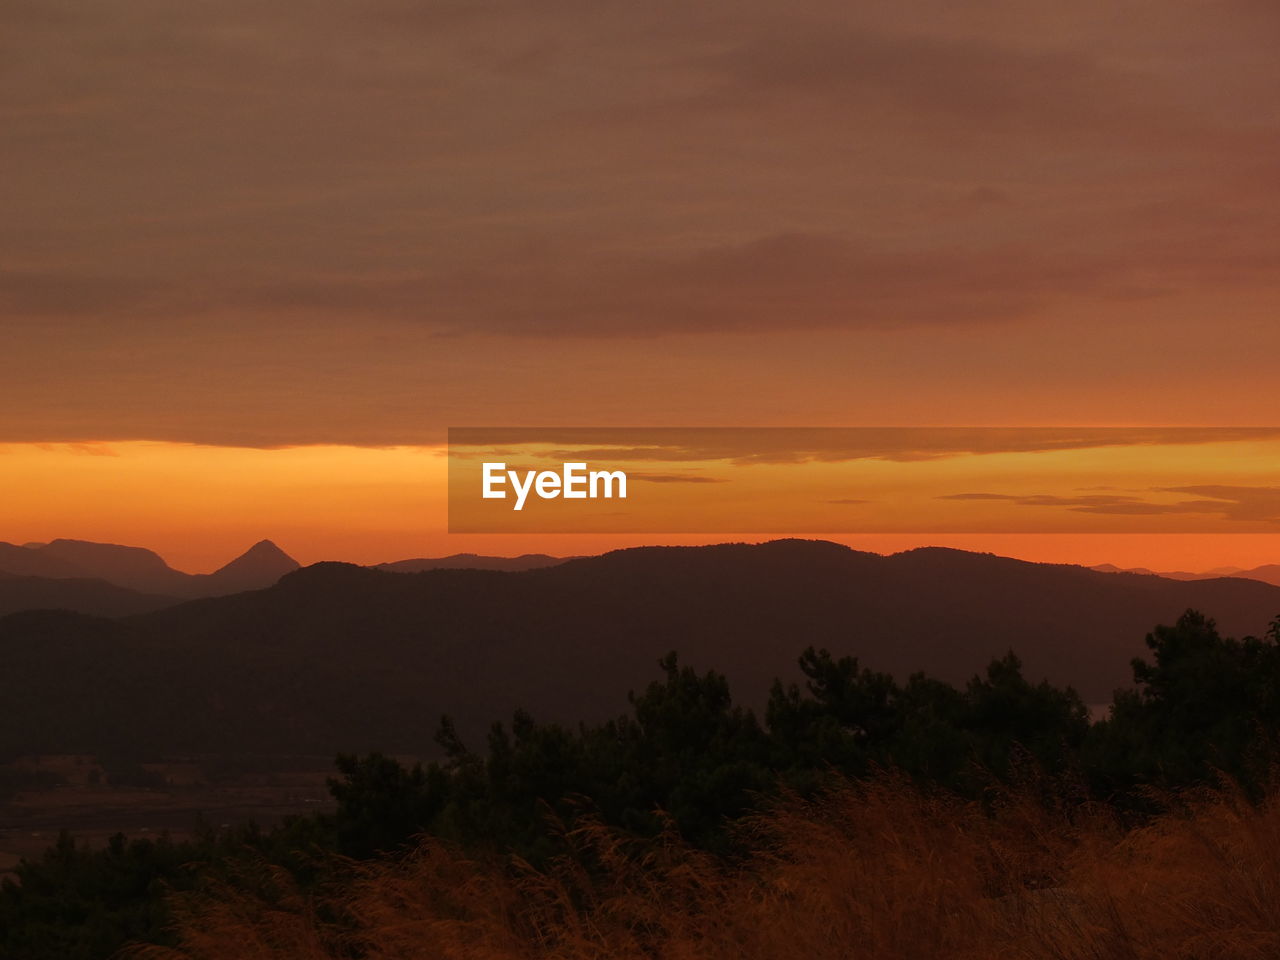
[1267,573]
[342,657]
[32,562]
[472,561]
[142,570]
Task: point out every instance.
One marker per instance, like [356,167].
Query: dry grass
[880,871]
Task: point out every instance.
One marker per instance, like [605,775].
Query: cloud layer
[359,197]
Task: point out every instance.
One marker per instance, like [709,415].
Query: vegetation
[873,870]
[645,835]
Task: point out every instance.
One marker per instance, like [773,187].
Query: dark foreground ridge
[978,820]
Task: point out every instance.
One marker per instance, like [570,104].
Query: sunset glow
[200,505]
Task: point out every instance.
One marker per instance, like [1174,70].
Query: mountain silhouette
[260,566]
[1267,573]
[471,561]
[341,657]
[142,570]
[133,567]
[25,561]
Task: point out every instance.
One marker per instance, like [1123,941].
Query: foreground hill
[344,657]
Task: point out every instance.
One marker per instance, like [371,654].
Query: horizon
[884,545]
[198,505]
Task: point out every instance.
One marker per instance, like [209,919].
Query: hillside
[80,595]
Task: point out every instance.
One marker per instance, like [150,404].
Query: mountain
[260,566]
[471,561]
[133,567]
[341,657]
[142,570]
[1267,573]
[26,562]
[96,597]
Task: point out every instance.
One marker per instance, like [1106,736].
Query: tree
[1203,705]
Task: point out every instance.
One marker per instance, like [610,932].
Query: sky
[248,238]
[923,480]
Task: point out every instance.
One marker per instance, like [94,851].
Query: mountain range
[341,657]
[76,574]
[107,579]
[1267,573]
[472,561]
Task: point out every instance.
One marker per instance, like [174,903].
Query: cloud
[781,445]
[960,82]
[463,165]
[1236,502]
[1225,502]
[812,281]
[81,449]
[1123,506]
[334,220]
[39,294]
[674,478]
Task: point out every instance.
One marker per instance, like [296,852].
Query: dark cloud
[967,83]
[815,281]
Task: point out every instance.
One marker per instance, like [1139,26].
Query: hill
[471,561]
[133,567]
[23,561]
[1267,573]
[337,656]
[260,566]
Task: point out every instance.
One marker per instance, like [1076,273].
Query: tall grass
[879,870]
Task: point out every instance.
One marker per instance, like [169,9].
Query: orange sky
[201,505]
[257,246]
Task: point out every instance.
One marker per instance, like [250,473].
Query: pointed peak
[264,548]
[260,566]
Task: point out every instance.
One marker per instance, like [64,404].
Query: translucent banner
[864,480]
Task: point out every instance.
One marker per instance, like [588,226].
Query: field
[73,793]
